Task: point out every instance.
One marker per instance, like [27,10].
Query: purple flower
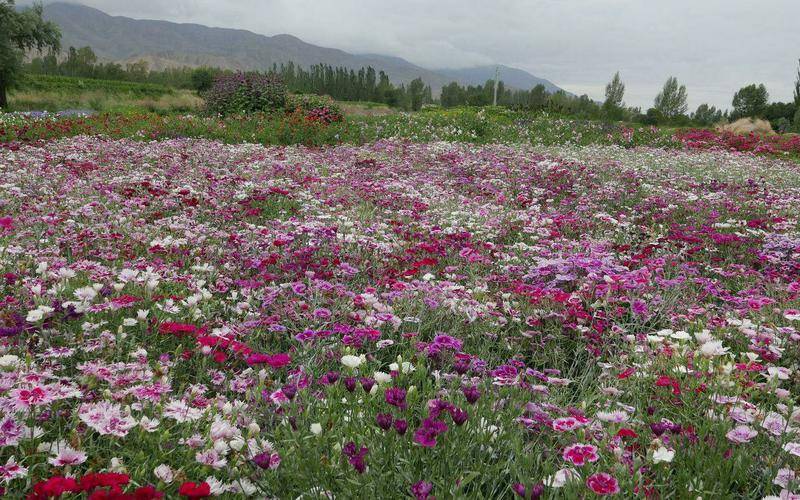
[350,384]
[421,490]
[384,420]
[356,457]
[428,432]
[459,416]
[471,393]
[400,426]
[396,396]
[367,383]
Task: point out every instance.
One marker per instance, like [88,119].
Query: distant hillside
[166,44]
[512,77]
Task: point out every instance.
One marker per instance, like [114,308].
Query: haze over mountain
[167,44]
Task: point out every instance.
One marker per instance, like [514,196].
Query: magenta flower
[396,396]
[603,484]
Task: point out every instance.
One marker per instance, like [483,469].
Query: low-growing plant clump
[242,93]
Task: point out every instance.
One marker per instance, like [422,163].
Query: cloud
[712,46]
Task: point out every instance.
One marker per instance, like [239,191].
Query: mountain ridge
[168,44]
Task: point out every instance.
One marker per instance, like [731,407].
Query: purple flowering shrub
[242,93]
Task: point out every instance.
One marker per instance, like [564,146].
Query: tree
[797,87]
[615,91]
[706,115]
[203,79]
[671,101]
[416,94]
[537,99]
[797,100]
[750,101]
[22,31]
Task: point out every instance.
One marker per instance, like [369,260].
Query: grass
[55,93]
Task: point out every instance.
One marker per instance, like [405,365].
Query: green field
[55,93]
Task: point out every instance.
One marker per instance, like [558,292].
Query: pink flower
[6,223]
[603,484]
[25,398]
[580,454]
[792,448]
[741,434]
[12,470]
[67,456]
[565,424]
[774,423]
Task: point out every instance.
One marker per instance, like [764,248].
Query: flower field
[184,318]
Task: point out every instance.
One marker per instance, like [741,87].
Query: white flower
[129,322]
[86,294]
[663,455]
[401,366]
[244,486]
[9,361]
[713,348]
[382,377]
[164,473]
[117,466]
[316,428]
[560,478]
[34,316]
[217,486]
[351,361]
[127,275]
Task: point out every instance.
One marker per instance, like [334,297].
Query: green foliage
[242,93]
[613,105]
[65,84]
[416,93]
[750,101]
[797,87]
[21,31]
[797,120]
[202,79]
[653,117]
[82,62]
[780,115]
[706,115]
[671,101]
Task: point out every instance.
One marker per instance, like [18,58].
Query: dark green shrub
[242,93]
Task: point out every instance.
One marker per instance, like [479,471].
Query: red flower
[6,223]
[602,484]
[54,488]
[194,490]
[147,493]
[177,329]
[627,373]
[628,433]
[274,360]
[104,479]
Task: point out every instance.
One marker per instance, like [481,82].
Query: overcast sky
[712,46]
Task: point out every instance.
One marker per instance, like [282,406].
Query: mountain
[512,77]
[167,44]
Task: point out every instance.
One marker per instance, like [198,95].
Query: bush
[653,117]
[797,120]
[314,107]
[242,93]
